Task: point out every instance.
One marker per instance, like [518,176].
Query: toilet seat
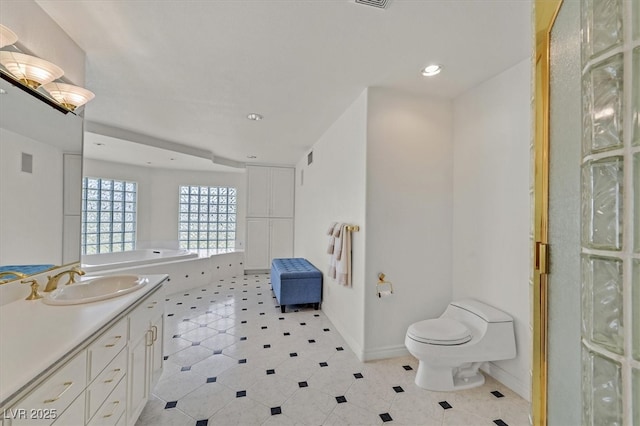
[439,331]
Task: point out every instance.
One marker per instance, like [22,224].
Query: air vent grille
[379,4]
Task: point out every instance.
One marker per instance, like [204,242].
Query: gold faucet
[9,273]
[52,284]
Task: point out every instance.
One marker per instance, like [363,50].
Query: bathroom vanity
[86,364]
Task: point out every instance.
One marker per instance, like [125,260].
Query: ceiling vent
[378,4]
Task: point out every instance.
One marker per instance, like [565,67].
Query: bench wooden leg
[282,308]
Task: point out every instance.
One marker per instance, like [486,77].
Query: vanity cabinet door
[157,356]
[138,376]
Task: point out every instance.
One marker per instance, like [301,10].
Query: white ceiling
[189,72]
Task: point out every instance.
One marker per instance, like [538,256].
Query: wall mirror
[40,183]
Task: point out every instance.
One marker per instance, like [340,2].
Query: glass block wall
[611,212]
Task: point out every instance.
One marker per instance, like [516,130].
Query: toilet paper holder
[383,288]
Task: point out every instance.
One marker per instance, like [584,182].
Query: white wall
[491,206]
[409,215]
[333,190]
[31,207]
[157,221]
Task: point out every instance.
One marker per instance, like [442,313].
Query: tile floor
[232,358]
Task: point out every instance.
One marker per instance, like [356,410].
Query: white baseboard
[385,352]
[508,379]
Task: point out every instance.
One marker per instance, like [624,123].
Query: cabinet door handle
[148,341]
[154,332]
[116,373]
[110,345]
[66,387]
[115,406]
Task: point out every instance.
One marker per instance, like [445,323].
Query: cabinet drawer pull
[115,407]
[116,373]
[154,332]
[67,386]
[148,342]
[110,345]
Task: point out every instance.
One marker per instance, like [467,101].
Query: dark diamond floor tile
[292,354]
[340,399]
[324,364]
[266,346]
[241,393]
[243,338]
[242,361]
[187,368]
[500,422]
[407,367]
[497,394]
[339,348]
[398,389]
[312,341]
[276,411]
[445,405]
[386,417]
[303,384]
[287,334]
[204,422]
[211,379]
[171,404]
[218,352]
[271,371]
[358,375]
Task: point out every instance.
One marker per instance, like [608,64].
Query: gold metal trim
[353,228]
[545,15]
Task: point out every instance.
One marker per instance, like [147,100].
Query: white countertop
[35,336]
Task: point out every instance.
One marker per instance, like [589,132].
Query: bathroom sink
[95,289]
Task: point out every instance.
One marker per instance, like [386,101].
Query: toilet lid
[439,331]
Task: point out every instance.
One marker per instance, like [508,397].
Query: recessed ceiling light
[172,159]
[431,70]
[255,116]
[3,92]
[252,156]
[98,143]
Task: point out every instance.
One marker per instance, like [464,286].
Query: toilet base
[447,378]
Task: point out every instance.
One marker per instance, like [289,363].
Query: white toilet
[452,348]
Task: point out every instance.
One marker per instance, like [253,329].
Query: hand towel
[343,264]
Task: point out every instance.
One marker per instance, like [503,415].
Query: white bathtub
[126,259]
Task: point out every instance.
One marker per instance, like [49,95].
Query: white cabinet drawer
[103,350]
[74,415]
[106,382]
[113,408]
[56,393]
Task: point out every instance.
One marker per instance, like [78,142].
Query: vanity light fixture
[30,70]
[7,37]
[431,70]
[37,76]
[68,95]
[255,116]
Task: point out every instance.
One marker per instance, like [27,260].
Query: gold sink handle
[35,295]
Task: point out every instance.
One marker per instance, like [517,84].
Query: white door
[282,187]
[281,241]
[257,250]
[258,188]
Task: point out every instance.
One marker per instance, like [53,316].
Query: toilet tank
[485,312]
[476,314]
[492,329]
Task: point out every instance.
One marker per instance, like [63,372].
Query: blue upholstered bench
[296,281]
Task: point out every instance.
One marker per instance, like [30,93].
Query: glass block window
[108,215]
[207,217]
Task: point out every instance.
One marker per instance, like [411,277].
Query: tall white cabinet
[270,201]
